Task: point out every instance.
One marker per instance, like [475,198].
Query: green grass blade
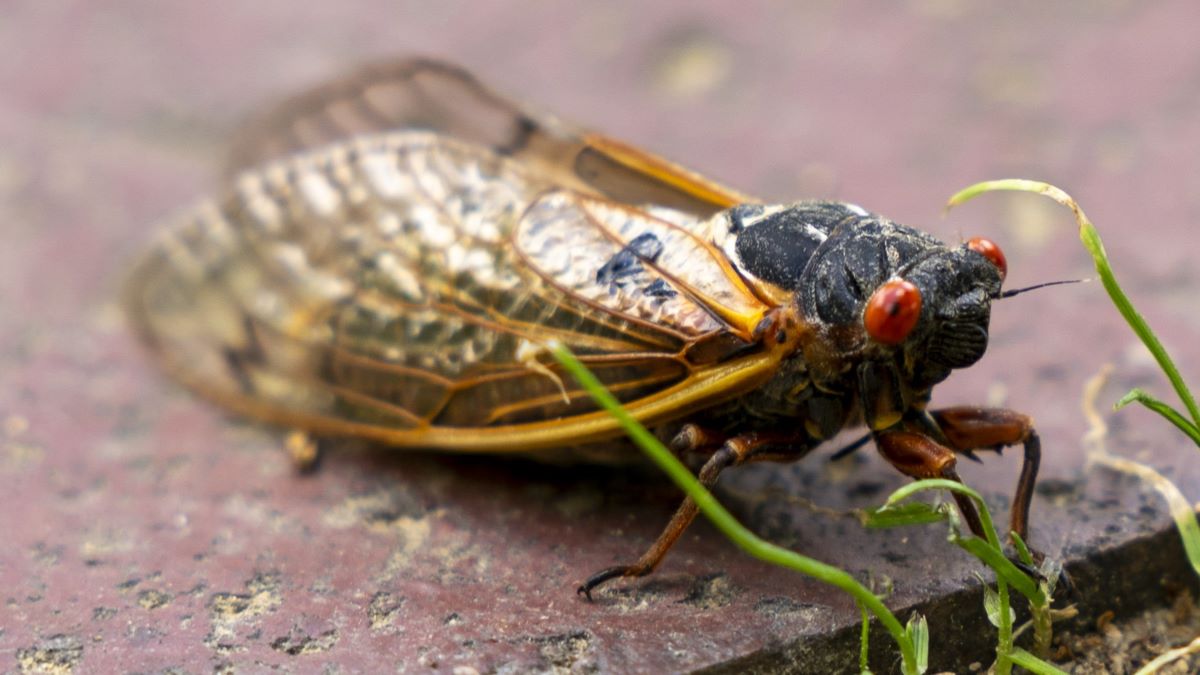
[918,632]
[989,551]
[1003,567]
[1091,241]
[723,520]
[864,642]
[1033,664]
[1170,414]
[902,515]
[1022,549]
[1177,503]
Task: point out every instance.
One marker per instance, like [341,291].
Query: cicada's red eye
[990,250]
[892,312]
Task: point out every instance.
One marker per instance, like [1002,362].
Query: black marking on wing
[659,289]
[627,262]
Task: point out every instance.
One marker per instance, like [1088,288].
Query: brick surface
[145,531]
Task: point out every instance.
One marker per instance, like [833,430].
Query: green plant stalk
[1043,623]
[991,553]
[1172,415]
[1004,632]
[1091,240]
[1033,664]
[1181,511]
[864,667]
[1178,505]
[723,520]
[1043,628]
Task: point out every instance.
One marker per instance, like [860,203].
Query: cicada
[392,253]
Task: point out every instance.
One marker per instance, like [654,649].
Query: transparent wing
[402,286]
[442,98]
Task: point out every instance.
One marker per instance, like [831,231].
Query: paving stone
[146,531]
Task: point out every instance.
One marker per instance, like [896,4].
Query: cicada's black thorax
[831,257]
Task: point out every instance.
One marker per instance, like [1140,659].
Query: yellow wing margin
[704,388]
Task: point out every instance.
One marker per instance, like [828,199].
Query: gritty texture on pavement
[146,531]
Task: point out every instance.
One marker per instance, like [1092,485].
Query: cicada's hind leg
[963,430]
[742,449]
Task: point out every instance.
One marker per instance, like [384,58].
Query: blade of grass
[1177,504]
[724,521]
[918,632]
[864,651]
[1033,664]
[1172,415]
[902,515]
[990,551]
[1091,241]
[1181,511]
[1022,550]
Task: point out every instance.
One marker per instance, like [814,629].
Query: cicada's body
[396,250]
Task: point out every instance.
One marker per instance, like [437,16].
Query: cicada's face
[899,298]
[954,288]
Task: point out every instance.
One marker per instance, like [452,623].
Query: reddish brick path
[143,530]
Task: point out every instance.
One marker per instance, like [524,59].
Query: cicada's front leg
[965,429]
[919,456]
[741,449]
[969,428]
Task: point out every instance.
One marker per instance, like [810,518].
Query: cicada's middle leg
[741,449]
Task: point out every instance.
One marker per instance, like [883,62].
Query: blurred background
[113,114]
[892,105]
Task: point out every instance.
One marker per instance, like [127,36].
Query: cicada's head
[900,302]
[891,303]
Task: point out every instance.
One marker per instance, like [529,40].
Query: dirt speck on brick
[297,643]
[152,598]
[711,592]
[58,654]
[229,610]
[383,610]
[567,652]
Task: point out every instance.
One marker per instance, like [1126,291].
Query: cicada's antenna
[1018,291]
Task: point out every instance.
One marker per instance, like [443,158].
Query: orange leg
[995,428]
[918,456]
[965,429]
[752,447]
